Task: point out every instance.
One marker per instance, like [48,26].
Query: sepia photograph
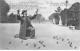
[39,24]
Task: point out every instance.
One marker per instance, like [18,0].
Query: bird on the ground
[59,37]
[70,45]
[57,42]
[44,46]
[41,42]
[22,41]
[10,42]
[68,39]
[68,42]
[75,47]
[26,44]
[62,39]
[34,45]
[54,37]
[38,47]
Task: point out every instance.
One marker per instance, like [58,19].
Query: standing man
[26,28]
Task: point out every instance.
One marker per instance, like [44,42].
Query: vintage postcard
[39,24]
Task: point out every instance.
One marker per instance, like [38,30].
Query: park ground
[48,37]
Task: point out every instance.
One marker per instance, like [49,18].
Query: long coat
[25,24]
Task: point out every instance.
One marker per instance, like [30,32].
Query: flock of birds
[34,45]
[62,39]
[54,37]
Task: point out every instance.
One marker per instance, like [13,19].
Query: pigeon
[34,45]
[10,42]
[26,44]
[44,46]
[54,37]
[38,47]
[41,42]
[75,47]
[68,39]
[59,37]
[69,42]
[22,41]
[70,45]
[62,39]
[57,42]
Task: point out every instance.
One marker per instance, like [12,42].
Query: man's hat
[24,11]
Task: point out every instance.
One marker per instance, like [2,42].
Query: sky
[48,4]
[16,1]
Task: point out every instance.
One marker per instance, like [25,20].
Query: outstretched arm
[18,15]
[32,17]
